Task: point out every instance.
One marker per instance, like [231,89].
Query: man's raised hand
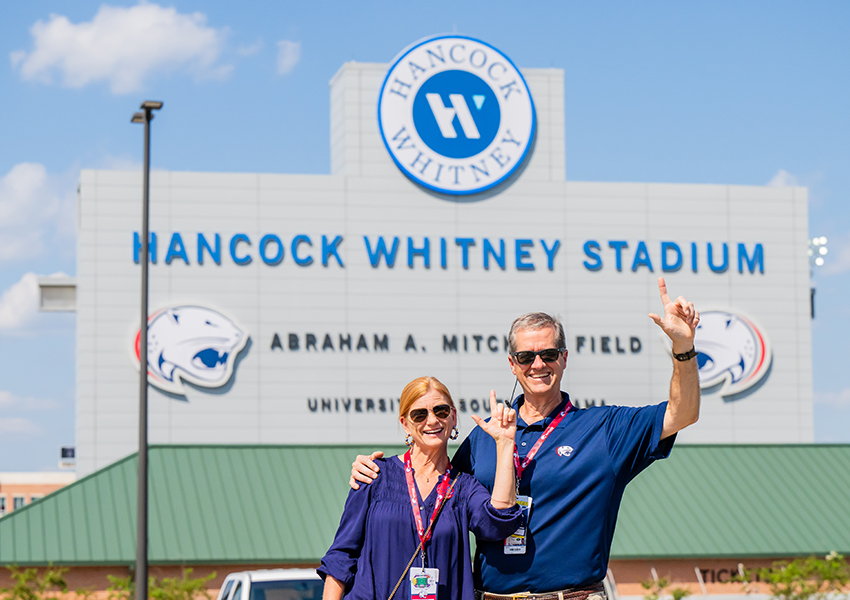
[680,320]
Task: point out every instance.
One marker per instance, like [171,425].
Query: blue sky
[715,92]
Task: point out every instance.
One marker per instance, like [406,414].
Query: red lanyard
[414,502]
[521,465]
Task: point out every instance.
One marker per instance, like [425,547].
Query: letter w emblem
[445,115]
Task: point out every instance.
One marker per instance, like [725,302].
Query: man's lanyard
[521,465]
[414,502]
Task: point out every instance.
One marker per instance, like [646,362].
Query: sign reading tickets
[456,115]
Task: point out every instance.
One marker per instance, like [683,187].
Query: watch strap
[686,356]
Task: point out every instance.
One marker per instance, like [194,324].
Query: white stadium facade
[292,309]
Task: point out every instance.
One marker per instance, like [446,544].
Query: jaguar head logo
[194,344]
[734,353]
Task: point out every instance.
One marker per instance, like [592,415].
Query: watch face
[456,115]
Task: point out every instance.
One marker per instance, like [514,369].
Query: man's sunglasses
[526,357]
[441,411]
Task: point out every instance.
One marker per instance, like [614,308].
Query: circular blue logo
[456,115]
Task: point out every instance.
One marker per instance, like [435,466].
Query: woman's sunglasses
[441,411]
[526,357]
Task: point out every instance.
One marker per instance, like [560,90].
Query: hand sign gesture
[680,320]
[502,423]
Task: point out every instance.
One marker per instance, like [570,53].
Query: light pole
[145,117]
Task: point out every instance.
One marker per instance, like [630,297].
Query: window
[18,502]
[2,505]
[34,497]
[226,591]
[237,593]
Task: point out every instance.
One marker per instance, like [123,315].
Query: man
[572,465]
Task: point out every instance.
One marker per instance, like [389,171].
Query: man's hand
[363,469]
[502,424]
[680,323]
[680,320]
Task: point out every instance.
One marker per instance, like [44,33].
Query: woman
[380,530]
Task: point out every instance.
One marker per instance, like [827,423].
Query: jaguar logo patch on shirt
[564,450]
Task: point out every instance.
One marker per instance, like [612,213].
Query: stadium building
[289,310]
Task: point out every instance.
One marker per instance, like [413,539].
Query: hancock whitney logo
[190,343]
[734,353]
[456,115]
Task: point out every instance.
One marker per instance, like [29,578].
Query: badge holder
[422,573]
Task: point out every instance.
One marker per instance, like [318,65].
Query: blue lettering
[176,249]
[297,241]
[465,243]
[381,250]
[431,56]
[722,268]
[490,251]
[757,259]
[137,247]
[400,87]
[330,249]
[618,252]
[483,170]
[443,253]
[591,250]
[550,253]
[641,258]
[424,252]
[234,241]
[215,253]
[452,53]
[264,242]
[694,257]
[665,264]
[522,254]
[401,145]
[500,158]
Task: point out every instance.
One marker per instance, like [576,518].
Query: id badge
[516,542]
[423,583]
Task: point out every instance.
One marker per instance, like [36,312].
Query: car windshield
[294,589]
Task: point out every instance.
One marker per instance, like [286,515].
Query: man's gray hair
[532,322]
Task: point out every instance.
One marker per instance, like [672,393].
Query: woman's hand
[502,424]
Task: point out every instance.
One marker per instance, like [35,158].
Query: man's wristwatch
[686,356]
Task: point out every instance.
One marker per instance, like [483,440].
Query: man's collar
[565,398]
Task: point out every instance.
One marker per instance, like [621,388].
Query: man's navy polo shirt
[576,482]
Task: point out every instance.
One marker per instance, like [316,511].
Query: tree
[804,578]
[656,588]
[29,585]
[169,588]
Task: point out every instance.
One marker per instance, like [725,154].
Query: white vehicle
[272,584]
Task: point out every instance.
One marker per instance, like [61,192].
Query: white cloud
[19,304]
[122,46]
[10,401]
[841,398]
[12,425]
[33,210]
[288,55]
[783,178]
[250,49]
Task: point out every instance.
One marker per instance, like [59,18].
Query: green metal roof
[281,505]
[739,500]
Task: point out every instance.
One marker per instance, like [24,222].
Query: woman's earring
[455,433]
[409,440]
